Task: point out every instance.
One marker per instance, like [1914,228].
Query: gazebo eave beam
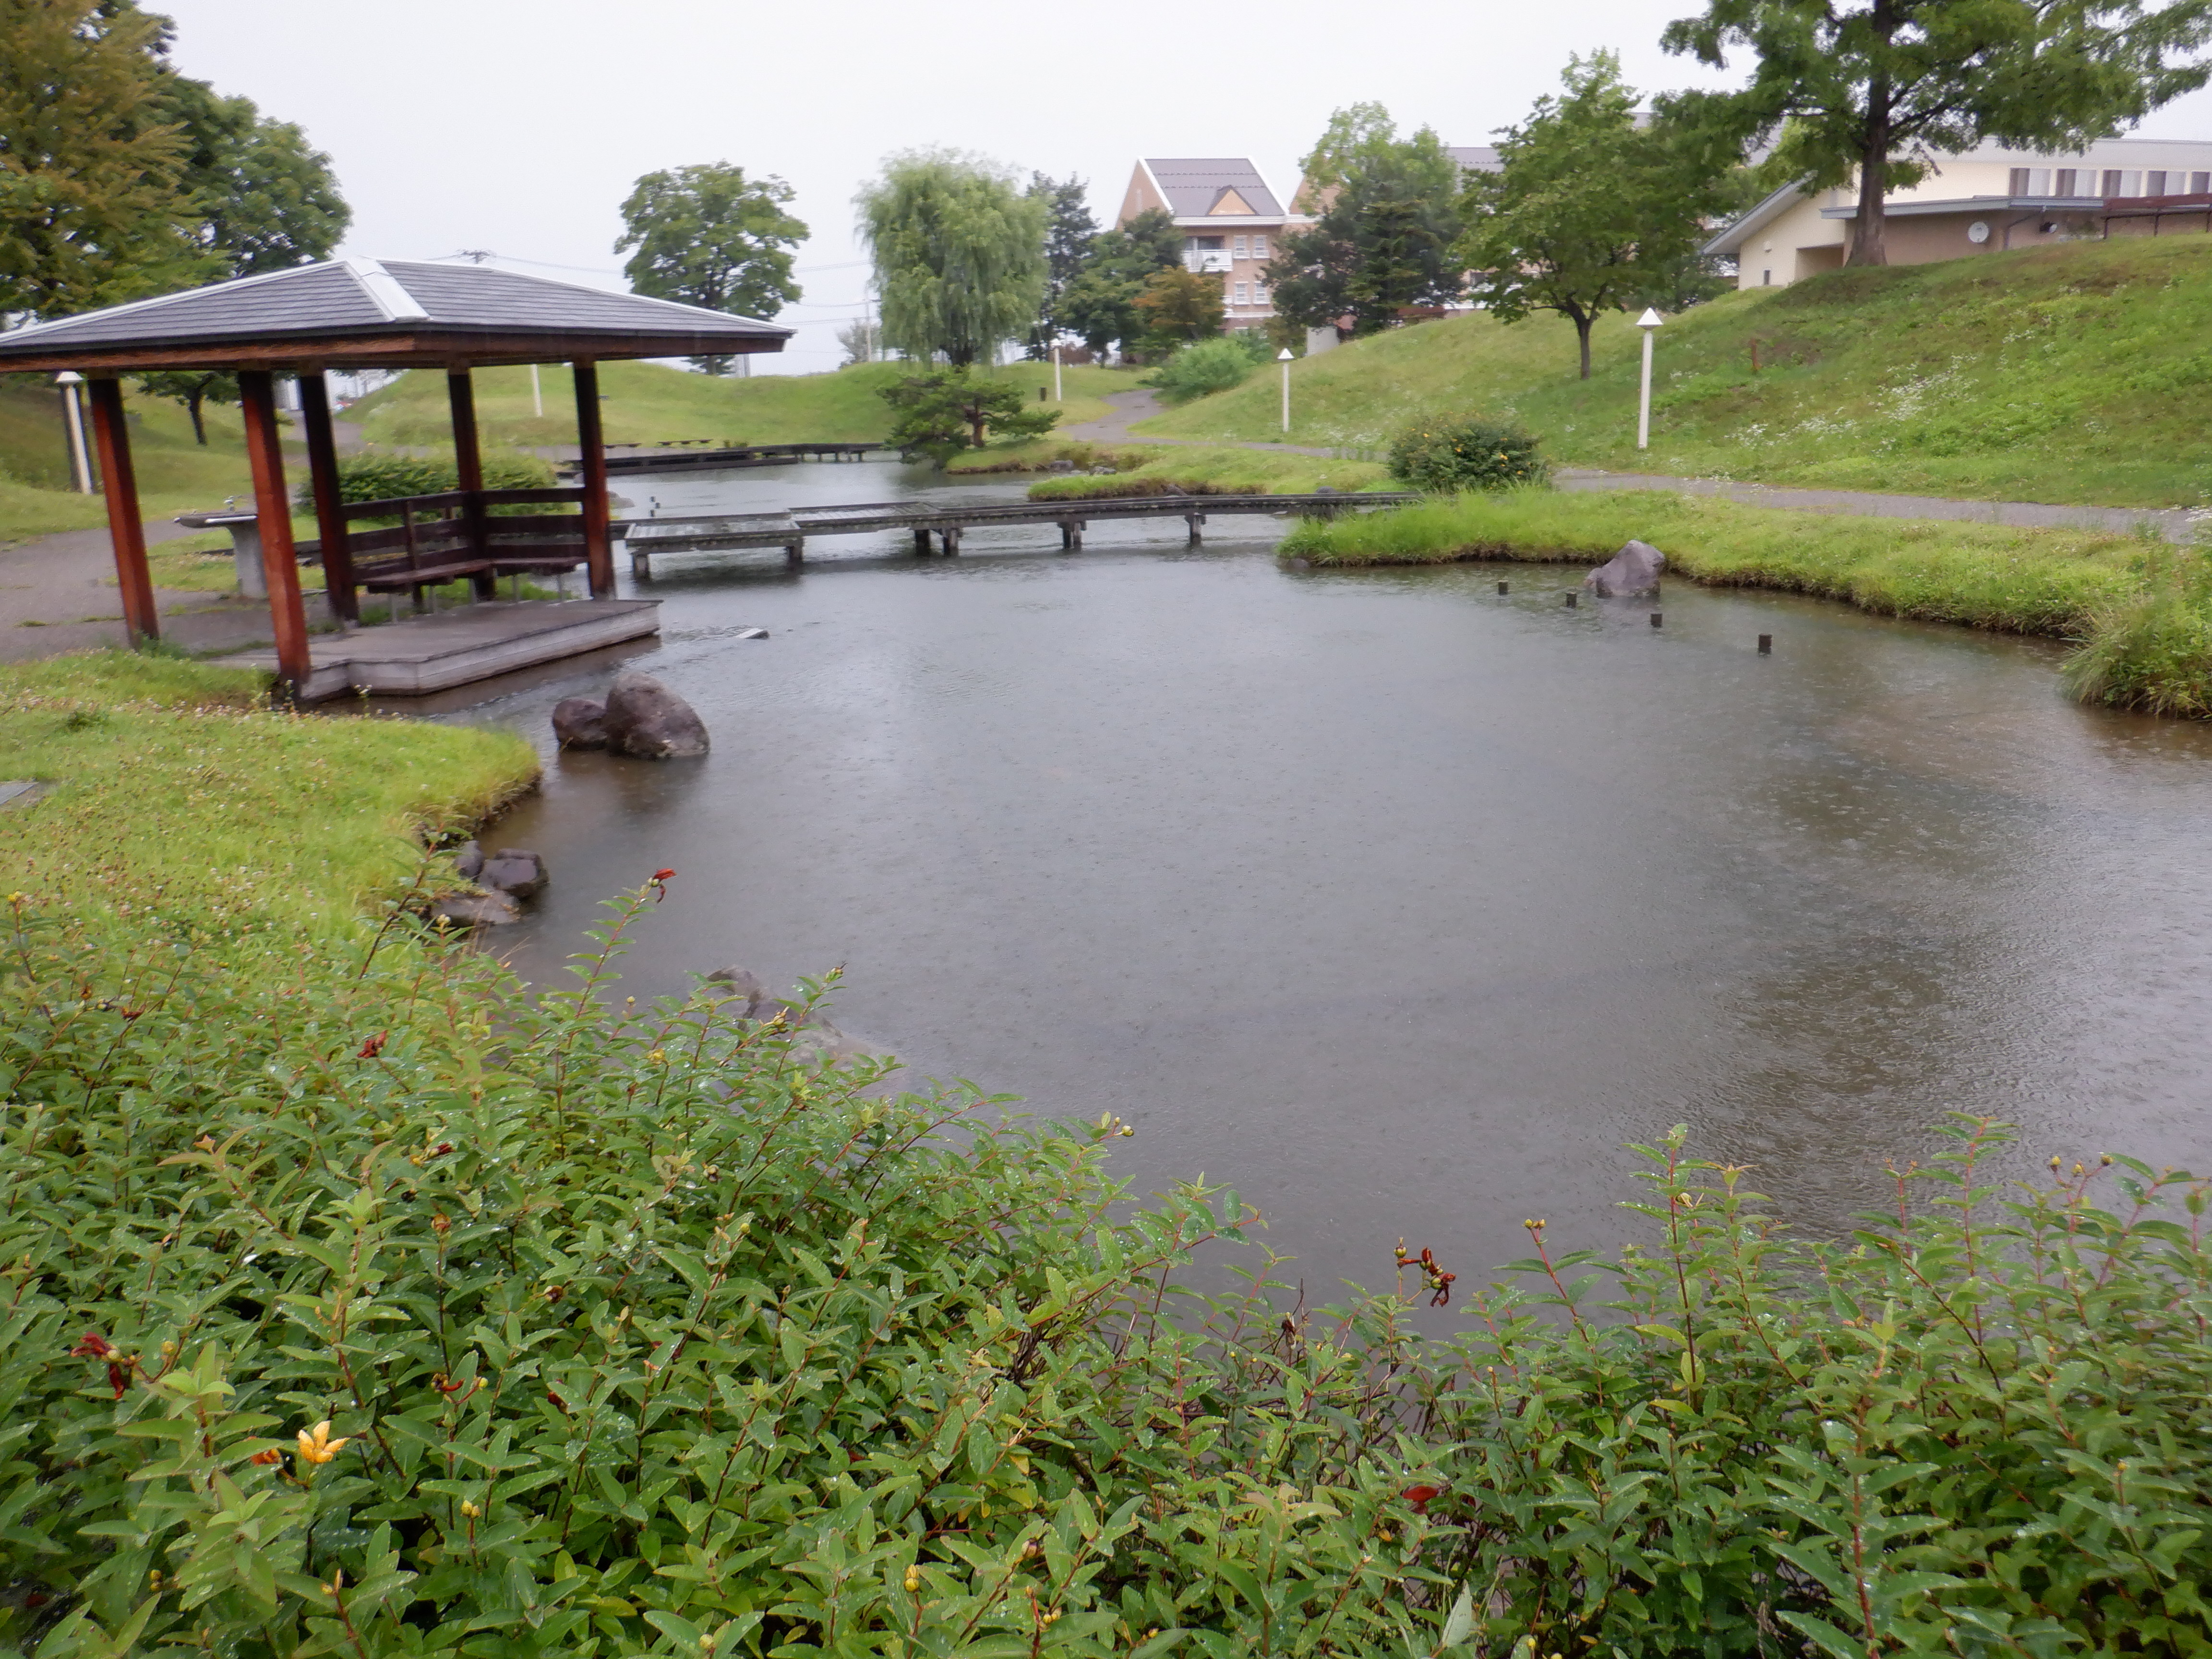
[386,352]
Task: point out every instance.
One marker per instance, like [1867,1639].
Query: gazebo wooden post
[468,464]
[141,621]
[592,463]
[330,507]
[257,396]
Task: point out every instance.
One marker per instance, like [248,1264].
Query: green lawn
[175,784]
[647,402]
[174,473]
[1163,470]
[2065,374]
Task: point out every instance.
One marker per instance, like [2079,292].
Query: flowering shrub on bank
[353,1301]
[1446,455]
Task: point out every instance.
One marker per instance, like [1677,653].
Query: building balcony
[1211,262]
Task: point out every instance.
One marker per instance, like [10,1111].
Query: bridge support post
[1070,535]
[921,541]
[948,540]
[795,552]
[1194,519]
[641,564]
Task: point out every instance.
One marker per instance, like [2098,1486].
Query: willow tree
[959,252]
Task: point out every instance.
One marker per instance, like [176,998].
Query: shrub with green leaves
[381,477]
[1448,454]
[1205,367]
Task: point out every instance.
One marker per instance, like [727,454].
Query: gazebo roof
[364,314]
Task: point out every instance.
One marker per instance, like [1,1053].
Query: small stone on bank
[513,872]
[475,909]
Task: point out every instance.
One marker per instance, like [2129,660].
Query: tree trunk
[193,402]
[975,426]
[1582,321]
[1868,245]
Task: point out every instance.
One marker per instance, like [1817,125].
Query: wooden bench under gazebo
[364,315]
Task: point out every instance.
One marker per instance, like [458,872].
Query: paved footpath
[58,593]
[2172,522]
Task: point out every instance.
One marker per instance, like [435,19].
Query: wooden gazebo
[360,314]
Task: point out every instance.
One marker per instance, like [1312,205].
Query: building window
[1259,248]
[1236,247]
[2019,186]
[2199,183]
[1259,294]
[1243,294]
[2062,182]
[2038,182]
[1767,279]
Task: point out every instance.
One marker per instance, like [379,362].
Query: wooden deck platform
[647,537]
[422,655]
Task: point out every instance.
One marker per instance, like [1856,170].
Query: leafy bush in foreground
[1446,455]
[382,477]
[340,1316]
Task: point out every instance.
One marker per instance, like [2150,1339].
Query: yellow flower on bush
[316,1445]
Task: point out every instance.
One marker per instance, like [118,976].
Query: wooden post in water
[272,504]
[142,621]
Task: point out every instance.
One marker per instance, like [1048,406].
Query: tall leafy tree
[708,235]
[91,208]
[1384,238]
[257,197]
[262,198]
[959,254]
[1872,88]
[1069,234]
[1590,212]
[1100,305]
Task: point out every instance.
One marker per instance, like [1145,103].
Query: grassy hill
[2078,374]
[647,402]
[174,473]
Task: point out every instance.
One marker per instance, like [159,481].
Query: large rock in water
[646,718]
[492,909]
[580,723]
[1632,571]
[814,1039]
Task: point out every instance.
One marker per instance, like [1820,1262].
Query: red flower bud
[1419,1496]
[93,1346]
[373,1047]
[662,875]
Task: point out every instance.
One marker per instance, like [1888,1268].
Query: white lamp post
[1058,396]
[73,418]
[537,394]
[1648,322]
[1284,358]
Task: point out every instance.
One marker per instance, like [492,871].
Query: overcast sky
[519,127]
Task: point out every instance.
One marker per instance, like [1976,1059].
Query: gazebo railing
[455,535]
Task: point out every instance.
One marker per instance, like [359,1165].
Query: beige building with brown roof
[1230,218]
[1984,201]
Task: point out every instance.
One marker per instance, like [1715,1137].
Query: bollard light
[1284,358]
[73,422]
[1650,321]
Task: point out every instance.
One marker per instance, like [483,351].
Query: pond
[1398,904]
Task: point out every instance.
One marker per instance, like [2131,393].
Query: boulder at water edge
[580,723]
[468,859]
[646,718]
[1632,572]
[813,1037]
[493,909]
[513,872]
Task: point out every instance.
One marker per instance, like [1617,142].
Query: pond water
[1398,904]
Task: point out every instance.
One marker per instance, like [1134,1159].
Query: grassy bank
[175,474]
[648,402]
[2074,373]
[1164,471]
[171,785]
[2141,611]
[361,1300]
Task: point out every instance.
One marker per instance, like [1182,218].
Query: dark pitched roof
[388,313]
[1194,186]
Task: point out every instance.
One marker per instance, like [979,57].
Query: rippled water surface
[1397,903]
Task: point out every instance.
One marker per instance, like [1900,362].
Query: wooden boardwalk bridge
[679,455]
[790,530]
